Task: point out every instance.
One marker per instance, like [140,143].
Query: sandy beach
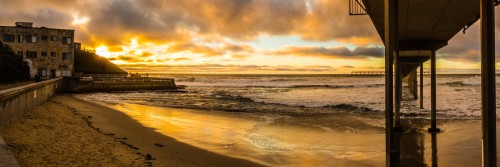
[66,131]
[70,131]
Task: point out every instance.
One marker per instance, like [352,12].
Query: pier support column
[422,86]
[398,92]
[390,42]
[433,93]
[434,150]
[415,85]
[488,87]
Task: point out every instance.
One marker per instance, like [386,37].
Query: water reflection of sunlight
[258,138]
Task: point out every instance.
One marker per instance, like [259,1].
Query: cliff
[91,63]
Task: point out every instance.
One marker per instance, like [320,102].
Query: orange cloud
[331,52]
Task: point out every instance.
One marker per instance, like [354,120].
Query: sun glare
[78,20]
[103,51]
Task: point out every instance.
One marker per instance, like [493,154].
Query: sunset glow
[103,51]
[305,36]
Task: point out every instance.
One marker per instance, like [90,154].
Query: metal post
[488,86]
[433,93]
[390,37]
[421,85]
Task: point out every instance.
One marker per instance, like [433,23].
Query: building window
[52,54]
[8,38]
[44,54]
[66,73]
[53,38]
[20,53]
[44,38]
[66,55]
[66,41]
[30,54]
[43,72]
[31,39]
[20,38]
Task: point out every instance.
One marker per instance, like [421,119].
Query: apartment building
[50,51]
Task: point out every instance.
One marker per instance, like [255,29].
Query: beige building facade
[49,51]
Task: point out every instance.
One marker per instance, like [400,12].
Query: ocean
[458,96]
[290,120]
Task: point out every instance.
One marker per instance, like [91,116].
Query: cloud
[146,54]
[126,58]
[181,59]
[110,21]
[240,55]
[210,51]
[331,52]
[348,67]
[195,48]
[218,28]
[238,48]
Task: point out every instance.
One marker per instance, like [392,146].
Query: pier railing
[356,7]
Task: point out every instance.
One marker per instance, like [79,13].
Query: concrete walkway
[7,159]
[8,86]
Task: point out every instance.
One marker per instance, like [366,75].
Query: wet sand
[66,131]
[343,139]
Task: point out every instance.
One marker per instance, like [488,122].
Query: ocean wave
[233,98]
[455,83]
[350,107]
[321,86]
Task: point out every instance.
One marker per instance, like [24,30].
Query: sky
[231,36]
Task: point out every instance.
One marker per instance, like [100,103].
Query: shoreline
[57,133]
[67,130]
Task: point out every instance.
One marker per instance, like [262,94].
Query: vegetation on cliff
[12,67]
[91,63]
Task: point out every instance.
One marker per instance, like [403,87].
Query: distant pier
[365,73]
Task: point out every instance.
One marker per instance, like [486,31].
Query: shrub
[12,67]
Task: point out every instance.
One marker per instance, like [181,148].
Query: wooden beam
[422,45]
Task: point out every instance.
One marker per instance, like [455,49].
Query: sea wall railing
[132,80]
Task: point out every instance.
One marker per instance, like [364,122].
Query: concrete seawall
[16,102]
[77,86]
[125,86]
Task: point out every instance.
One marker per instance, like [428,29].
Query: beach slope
[69,131]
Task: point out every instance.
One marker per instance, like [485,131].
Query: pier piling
[421,85]
[398,92]
[433,93]
[390,42]
[488,85]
